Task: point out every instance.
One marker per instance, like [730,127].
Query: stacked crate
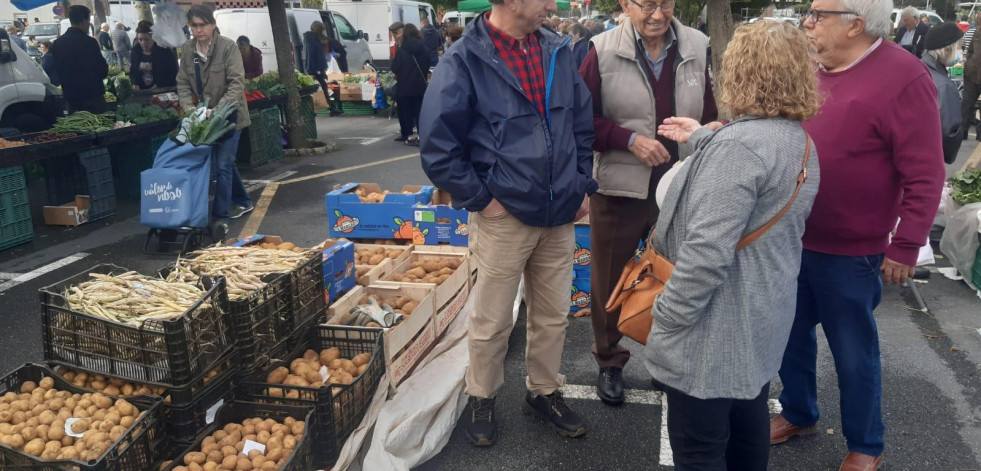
[15,213]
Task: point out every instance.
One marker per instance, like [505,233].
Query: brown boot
[859,462]
[781,430]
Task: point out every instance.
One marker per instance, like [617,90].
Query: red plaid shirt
[525,63]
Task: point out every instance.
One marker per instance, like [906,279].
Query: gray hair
[11,29]
[946,53]
[910,11]
[875,12]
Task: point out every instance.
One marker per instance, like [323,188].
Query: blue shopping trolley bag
[174,193]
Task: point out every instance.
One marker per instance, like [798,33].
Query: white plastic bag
[960,240]
[333,68]
[168,24]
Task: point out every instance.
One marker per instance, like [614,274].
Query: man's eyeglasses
[815,15]
[198,25]
[650,8]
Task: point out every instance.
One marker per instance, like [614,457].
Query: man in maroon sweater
[881,159]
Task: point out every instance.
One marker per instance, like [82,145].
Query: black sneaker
[400,139]
[481,427]
[609,386]
[552,409]
[237,211]
[921,273]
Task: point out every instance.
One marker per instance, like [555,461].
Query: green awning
[479,6]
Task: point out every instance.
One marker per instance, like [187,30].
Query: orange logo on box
[461,228]
[580,299]
[407,231]
[344,223]
[581,256]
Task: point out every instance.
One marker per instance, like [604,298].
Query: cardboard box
[347,216]
[73,213]
[582,257]
[320,102]
[350,92]
[405,343]
[444,224]
[580,299]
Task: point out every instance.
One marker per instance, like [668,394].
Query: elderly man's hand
[678,129]
[583,209]
[896,273]
[649,151]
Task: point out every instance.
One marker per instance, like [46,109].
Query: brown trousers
[617,225]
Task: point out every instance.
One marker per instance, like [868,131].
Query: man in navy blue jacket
[507,130]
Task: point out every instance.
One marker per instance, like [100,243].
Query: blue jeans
[839,293]
[229,187]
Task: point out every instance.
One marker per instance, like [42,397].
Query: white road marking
[653,398]
[371,141]
[41,271]
[7,276]
[252,185]
[365,141]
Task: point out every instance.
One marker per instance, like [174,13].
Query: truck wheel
[29,122]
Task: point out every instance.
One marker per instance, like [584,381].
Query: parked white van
[375,16]
[254,24]
[459,18]
[28,101]
[896,16]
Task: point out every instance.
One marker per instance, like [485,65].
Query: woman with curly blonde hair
[723,320]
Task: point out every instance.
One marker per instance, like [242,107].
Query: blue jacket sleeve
[443,126]
[585,135]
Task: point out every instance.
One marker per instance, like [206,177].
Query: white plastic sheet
[168,24]
[960,239]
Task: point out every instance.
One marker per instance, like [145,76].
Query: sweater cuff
[904,255]
[620,138]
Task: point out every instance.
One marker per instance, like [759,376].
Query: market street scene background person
[211,69]
[105,42]
[121,45]
[14,38]
[911,32]
[431,39]
[724,317]
[411,69]
[972,83]
[80,64]
[942,49]
[879,143]
[48,62]
[151,66]
[315,61]
[639,74]
[486,133]
[251,57]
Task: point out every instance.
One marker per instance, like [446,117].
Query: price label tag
[209,415]
[324,374]
[68,428]
[251,445]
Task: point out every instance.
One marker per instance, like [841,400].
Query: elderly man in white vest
[649,68]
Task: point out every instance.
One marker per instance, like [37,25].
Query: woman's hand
[678,129]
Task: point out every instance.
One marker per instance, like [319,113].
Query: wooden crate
[383,269]
[407,342]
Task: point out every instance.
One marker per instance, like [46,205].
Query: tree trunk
[99,10]
[284,60]
[143,12]
[720,31]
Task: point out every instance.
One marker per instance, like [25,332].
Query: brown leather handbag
[646,274]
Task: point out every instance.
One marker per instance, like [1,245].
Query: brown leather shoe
[859,462]
[781,430]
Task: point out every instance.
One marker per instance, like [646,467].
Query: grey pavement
[931,373]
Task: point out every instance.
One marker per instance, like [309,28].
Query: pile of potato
[222,450]
[375,256]
[116,386]
[374,197]
[34,421]
[429,270]
[305,371]
[284,246]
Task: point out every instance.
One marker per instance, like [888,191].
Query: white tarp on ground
[959,242]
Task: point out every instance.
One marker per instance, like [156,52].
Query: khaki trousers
[507,249]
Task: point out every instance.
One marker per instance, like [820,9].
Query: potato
[229,450]
[27,387]
[278,375]
[376,259]
[293,380]
[289,442]
[210,466]
[298,428]
[103,402]
[286,246]
[349,367]
[294,394]
[336,363]
[274,454]
[124,408]
[71,454]
[195,457]
[311,355]
[329,354]
[127,421]
[81,426]
[214,456]
[34,447]
[46,382]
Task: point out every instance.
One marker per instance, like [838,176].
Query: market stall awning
[25,5]
[484,5]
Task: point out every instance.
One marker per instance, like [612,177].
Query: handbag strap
[418,68]
[197,76]
[753,236]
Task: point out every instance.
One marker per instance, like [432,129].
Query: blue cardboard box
[349,216]
[442,224]
[580,297]
[582,257]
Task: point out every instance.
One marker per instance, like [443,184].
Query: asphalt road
[931,373]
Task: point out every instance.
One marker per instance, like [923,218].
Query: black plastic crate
[129,159]
[238,411]
[136,450]
[15,211]
[164,353]
[186,412]
[252,144]
[98,172]
[261,322]
[338,409]
[307,302]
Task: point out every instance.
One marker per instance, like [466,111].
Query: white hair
[876,14]
[946,53]
[911,12]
